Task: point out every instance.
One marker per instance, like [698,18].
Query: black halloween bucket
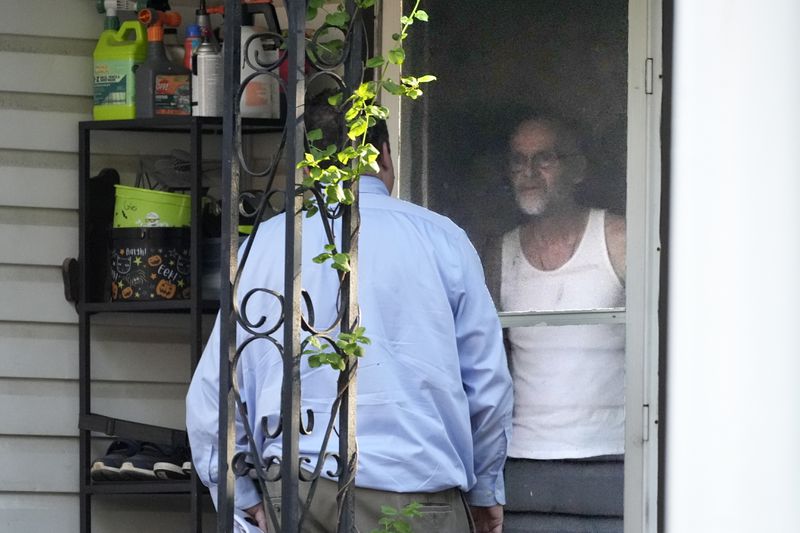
[149,264]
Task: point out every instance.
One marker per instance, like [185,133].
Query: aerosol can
[207,80]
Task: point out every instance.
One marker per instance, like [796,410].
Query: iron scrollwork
[335,56]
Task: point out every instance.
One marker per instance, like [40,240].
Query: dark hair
[319,114]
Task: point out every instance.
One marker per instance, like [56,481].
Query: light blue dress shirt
[434,392]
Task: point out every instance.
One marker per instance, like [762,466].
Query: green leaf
[377,111]
[335,99]
[402,527]
[312,211]
[363,4]
[351,113]
[357,129]
[314,135]
[421,15]
[314,361]
[388,510]
[370,153]
[393,88]
[321,258]
[366,91]
[328,151]
[338,19]
[341,262]
[397,55]
[316,3]
[311,13]
[315,341]
[375,62]
[406,20]
[412,510]
[427,78]
[348,197]
[330,247]
[338,193]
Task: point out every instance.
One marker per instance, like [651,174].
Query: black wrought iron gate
[292,322]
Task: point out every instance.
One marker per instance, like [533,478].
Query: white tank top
[568,380]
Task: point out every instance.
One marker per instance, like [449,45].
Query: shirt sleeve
[486,380]
[202,425]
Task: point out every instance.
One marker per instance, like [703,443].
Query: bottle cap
[193,30]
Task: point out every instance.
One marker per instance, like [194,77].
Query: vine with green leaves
[395,520]
[329,169]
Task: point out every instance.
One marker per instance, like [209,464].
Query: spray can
[207,80]
[162,87]
[116,57]
[190,44]
[203,19]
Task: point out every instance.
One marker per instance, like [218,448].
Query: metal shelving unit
[93,301]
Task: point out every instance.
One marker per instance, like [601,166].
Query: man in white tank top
[568,380]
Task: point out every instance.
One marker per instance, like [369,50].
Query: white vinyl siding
[140,365]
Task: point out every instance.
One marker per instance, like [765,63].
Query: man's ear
[385,157]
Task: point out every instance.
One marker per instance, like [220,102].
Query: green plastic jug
[117,55]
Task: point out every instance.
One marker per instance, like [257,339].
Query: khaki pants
[442,512]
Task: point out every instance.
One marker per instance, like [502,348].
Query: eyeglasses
[544,160]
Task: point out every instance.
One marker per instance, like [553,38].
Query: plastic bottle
[173,46]
[261,96]
[162,87]
[190,44]
[116,56]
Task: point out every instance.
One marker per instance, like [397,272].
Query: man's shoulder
[615,225]
[615,242]
[417,214]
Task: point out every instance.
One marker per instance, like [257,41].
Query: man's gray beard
[532,206]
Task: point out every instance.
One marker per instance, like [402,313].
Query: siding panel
[50,408]
[23,512]
[39,187]
[119,353]
[67,75]
[58,132]
[31,464]
[37,294]
[68,18]
[37,245]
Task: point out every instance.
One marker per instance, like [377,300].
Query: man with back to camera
[568,380]
[434,393]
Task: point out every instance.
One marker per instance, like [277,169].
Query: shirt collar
[371,185]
